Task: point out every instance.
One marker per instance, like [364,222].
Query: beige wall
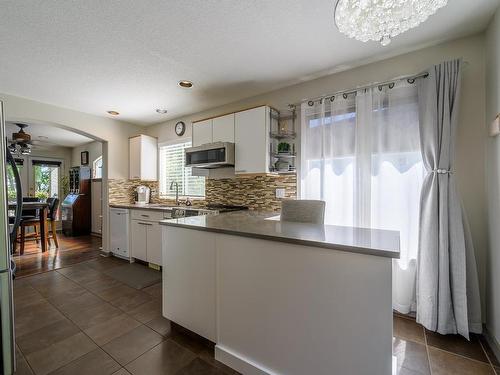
[94,149]
[115,132]
[471,138]
[493,180]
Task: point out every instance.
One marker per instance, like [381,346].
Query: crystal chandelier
[381,20]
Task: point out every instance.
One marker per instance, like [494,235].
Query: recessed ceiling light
[186,84]
[161,111]
[113,113]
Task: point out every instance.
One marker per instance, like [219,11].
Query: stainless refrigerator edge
[8,232]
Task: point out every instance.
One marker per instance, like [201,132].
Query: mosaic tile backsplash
[257,192]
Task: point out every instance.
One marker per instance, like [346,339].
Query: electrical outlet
[280,193]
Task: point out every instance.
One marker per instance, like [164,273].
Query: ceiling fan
[21,141]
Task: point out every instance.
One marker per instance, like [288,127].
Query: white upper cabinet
[251,135]
[202,132]
[143,158]
[223,128]
[219,129]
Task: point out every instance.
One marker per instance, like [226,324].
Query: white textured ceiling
[128,55]
[46,136]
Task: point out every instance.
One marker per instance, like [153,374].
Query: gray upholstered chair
[303,211]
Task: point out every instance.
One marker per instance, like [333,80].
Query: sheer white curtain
[361,154]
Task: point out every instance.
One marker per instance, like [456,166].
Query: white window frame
[181,194]
[94,169]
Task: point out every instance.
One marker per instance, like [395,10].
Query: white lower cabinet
[145,236]
[138,240]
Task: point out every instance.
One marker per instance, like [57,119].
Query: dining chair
[303,211]
[51,219]
[29,218]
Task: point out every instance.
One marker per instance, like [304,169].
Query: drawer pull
[145,223]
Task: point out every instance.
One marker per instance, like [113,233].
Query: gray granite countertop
[265,225]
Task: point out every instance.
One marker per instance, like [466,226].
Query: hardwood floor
[71,250]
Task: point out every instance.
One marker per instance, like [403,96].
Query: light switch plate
[280,193]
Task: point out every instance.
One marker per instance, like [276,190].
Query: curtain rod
[390,83]
[409,78]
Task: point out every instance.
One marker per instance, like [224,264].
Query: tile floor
[422,352]
[78,320]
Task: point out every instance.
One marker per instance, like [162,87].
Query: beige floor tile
[147,311]
[36,316]
[121,371]
[22,367]
[105,263]
[130,301]
[94,315]
[161,325]
[458,345]
[46,336]
[106,331]
[408,329]
[52,357]
[131,345]
[166,358]
[51,283]
[411,357]
[79,303]
[154,290]
[26,297]
[112,291]
[62,298]
[96,362]
[444,363]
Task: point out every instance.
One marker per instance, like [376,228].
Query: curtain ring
[332,98]
[411,80]
[344,95]
[310,103]
[321,101]
[391,85]
[379,87]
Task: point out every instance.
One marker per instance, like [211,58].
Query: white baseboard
[494,344]
[238,362]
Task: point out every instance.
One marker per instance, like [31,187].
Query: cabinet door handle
[145,223]
[145,215]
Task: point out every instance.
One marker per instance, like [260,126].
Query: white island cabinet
[282,298]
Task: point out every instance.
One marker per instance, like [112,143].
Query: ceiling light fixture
[161,111]
[382,20]
[186,84]
[113,113]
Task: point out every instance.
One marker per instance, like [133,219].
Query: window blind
[173,168]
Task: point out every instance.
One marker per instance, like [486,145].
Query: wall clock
[180,128]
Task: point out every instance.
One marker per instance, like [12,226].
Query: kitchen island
[282,297]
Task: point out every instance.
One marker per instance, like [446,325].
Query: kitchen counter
[264,225]
[249,283]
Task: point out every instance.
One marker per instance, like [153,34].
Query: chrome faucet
[176,191]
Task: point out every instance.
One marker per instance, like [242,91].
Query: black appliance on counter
[76,207]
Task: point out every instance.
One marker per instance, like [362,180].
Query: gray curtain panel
[447,284]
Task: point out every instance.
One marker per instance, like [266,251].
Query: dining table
[43,208]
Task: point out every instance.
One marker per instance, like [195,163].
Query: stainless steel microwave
[211,155]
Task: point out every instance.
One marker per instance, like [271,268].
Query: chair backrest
[303,211]
[30,212]
[53,205]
